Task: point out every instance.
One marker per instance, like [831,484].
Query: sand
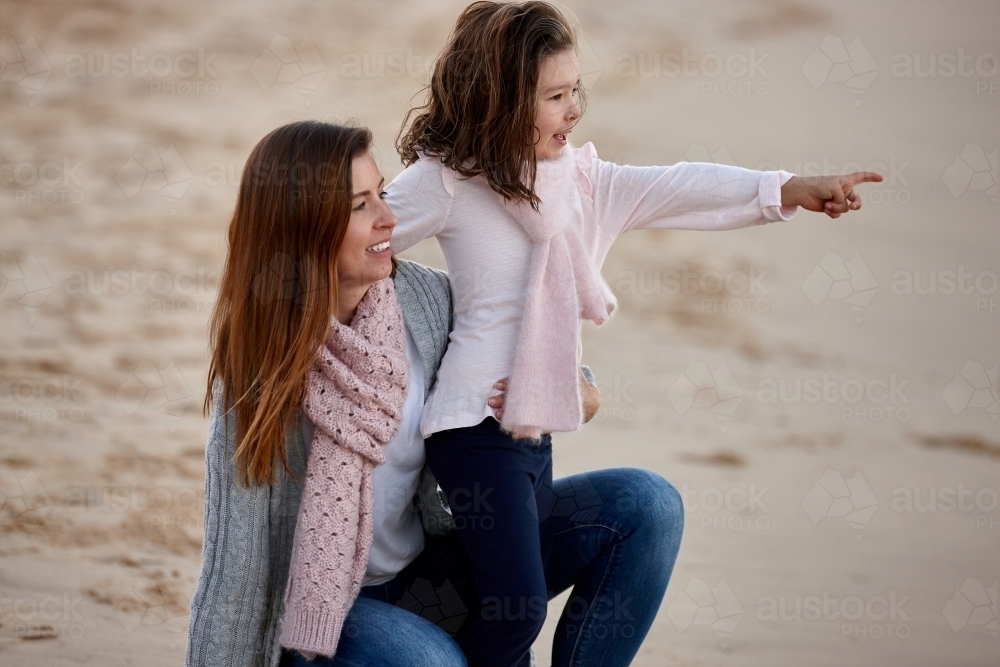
[822,391]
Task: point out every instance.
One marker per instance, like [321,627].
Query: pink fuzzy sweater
[563,288]
[355,394]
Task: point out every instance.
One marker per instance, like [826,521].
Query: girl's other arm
[421,199]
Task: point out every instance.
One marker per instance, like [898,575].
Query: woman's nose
[386,217]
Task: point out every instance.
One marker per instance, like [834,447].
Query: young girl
[525,221]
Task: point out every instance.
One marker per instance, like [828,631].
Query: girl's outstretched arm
[705,196]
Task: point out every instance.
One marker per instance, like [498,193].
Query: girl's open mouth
[560,139]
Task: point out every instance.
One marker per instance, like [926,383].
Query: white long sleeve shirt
[489,254]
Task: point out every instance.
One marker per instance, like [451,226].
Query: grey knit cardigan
[238,605]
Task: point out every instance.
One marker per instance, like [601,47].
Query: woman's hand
[832,195]
[591,398]
[497,402]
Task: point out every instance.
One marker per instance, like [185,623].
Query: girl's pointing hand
[832,195]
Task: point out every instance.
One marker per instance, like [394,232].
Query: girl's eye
[557,97]
[360,207]
[382,195]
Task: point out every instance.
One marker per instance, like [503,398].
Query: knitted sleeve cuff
[313,630]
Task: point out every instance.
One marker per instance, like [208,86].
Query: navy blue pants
[499,490]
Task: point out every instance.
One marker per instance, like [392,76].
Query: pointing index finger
[864,177]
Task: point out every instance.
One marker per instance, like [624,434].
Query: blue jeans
[612,535]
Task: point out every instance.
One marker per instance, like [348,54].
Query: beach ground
[822,392]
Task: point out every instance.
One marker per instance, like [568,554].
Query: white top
[489,254]
[397,533]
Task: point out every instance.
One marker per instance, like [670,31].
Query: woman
[308,264]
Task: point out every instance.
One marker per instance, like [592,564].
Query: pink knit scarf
[563,288]
[354,395]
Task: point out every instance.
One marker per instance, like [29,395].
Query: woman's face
[557,108]
[364,256]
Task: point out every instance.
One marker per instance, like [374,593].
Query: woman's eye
[557,97]
[360,207]
[383,194]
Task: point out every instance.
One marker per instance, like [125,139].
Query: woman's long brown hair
[279,286]
[479,117]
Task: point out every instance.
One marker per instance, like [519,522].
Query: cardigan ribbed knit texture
[238,607]
[355,392]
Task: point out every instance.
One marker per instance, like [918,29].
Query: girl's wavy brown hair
[479,117]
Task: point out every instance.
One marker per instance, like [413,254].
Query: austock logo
[833,279]
[23,497]
[147,387]
[973,170]
[50,399]
[580,500]
[699,153]
[702,605]
[740,507]
[182,73]
[874,617]
[973,605]
[155,603]
[151,170]
[834,496]
[25,282]
[441,605]
[24,64]
[861,398]
[48,616]
[974,387]
[44,182]
[835,62]
[700,387]
[283,61]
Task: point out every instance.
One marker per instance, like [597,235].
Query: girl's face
[364,256]
[557,108]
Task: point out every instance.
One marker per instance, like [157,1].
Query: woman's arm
[228,610]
